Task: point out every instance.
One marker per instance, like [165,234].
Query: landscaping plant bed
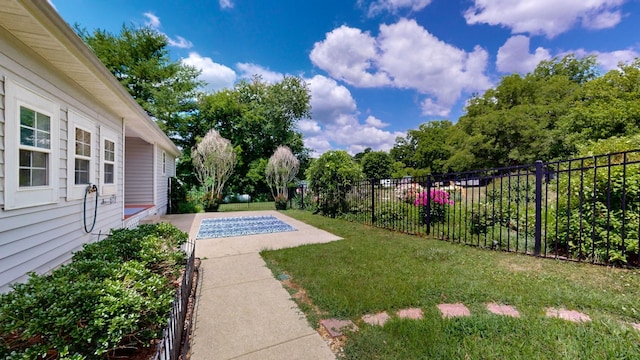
[111,301]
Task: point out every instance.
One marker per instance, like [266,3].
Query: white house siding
[40,238]
[139,172]
[162,182]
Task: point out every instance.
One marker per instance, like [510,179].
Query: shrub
[114,296]
[438,205]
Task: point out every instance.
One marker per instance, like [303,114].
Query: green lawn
[270,205]
[374,270]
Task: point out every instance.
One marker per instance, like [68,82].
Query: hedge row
[111,300]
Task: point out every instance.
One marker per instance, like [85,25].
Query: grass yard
[375,270]
[270,205]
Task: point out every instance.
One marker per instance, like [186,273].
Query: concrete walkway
[242,311]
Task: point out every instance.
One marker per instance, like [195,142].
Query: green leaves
[115,292]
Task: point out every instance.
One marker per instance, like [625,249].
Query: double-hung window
[31,148]
[108,161]
[80,154]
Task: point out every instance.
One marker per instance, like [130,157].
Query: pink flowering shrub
[440,201]
[409,192]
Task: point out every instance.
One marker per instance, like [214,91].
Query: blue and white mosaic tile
[240,226]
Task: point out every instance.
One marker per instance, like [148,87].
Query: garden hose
[91,188]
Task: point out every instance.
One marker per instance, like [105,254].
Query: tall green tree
[377,165]
[257,117]
[139,59]
[331,177]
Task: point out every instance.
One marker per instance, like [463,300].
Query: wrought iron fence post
[428,204]
[373,202]
[538,221]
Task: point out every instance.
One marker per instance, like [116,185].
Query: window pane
[39,160]
[109,150]
[25,177]
[82,171]
[27,136]
[83,143]
[34,168]
[108,173]
[25,158]
[27,117]
[43,122]
[39,177]
[43,140]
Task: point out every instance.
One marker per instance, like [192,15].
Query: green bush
[591,221]
[113,297]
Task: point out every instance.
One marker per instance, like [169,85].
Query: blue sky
[376,68]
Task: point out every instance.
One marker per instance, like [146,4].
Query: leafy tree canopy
[377,165]
[139,59]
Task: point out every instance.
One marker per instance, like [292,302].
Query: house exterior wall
[41,237]
[139,170]
[165,168]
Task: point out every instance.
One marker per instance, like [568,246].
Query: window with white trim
[164,163]
[108,160]
[35,148]
[80,154]
[31,147]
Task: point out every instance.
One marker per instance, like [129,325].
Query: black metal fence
[169,348]
[585,209]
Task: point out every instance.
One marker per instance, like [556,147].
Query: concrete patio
[242,311]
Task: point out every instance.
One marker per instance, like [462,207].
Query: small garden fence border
[583,209]
[169,347]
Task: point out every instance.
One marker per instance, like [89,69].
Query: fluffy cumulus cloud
[350,55]
[153,22]
[335,123]
[216,75]
[545,17]
[394,6]
[248,70]
[404,55]
[514,56]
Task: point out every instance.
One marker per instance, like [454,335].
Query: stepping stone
[569,315]
[411,313]
[503,310]
[376,319]
[453,310]
[335,327]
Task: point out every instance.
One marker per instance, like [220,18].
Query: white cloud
[608,60]
[179,42]
[335,123]
[217,76]
[153,22]
[349,54]
[514,56]
[226,4]
[545,17]
[376,123]
[404,55]
[248,70]
[394,6]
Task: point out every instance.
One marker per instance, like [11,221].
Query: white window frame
[164,162]
[76,120]
[16,197]
[110,135]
